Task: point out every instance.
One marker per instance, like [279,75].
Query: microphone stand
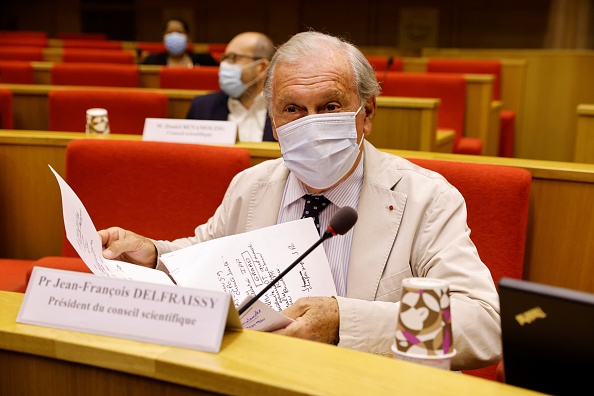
[326,235]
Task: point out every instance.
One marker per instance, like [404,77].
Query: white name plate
[189,131]
[161,314]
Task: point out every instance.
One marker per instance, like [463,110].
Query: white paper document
[244,264]
[240,265]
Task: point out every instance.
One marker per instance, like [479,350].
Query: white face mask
[230,78]
[320,148]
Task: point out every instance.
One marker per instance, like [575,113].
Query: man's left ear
[370,107]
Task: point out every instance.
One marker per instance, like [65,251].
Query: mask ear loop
[251,64]
[363,135]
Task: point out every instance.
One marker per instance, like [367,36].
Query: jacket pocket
[390,287]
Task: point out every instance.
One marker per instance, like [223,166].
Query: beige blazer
[412,222]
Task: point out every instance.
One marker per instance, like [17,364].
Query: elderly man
[321,95]
[241,78]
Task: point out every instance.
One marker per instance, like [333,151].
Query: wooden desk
[409,124]
[584,139]
[482,114]
[401,123]
[559,234]
[40,360]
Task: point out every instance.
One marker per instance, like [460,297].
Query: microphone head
[342,221]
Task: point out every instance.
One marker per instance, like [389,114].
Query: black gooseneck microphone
[344,219]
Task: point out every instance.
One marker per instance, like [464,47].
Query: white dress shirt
[250,122]
[338,249]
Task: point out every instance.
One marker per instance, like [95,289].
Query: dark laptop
[548,337]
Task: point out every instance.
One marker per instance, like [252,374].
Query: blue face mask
[230,78]
[176,43]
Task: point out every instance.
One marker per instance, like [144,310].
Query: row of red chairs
[66,43]
[86,53]
[127,110]
[36,54]
[449,119]
[110,75]
[443,80]
[59,35]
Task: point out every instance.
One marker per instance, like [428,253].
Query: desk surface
[249,363]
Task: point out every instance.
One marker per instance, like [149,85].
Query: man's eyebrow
[335,95]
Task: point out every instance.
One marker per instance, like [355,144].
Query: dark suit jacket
[202,59]
[213,106]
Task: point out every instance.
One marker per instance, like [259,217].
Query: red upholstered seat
[16,72]
[91,44]
[23,41]
[471,66]
[507,118]
[203,77]
[21,53]
[449,88]
[97,55]
[497,200]
[126,110]
[58,262]
[93,74]
[507,133]
[6,118]
[217,50]
[381,63]
[160,190]
[151,46]
[13,274]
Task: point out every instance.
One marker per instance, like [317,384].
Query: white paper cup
[443,362]
[97,122]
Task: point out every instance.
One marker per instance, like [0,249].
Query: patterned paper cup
[424,327]
[97,121]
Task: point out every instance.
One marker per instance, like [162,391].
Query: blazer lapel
[380,213]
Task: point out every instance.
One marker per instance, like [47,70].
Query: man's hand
[124,245]
[316,319]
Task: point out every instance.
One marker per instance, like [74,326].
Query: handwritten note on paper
[83,236]
[244,264]
[261,317]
